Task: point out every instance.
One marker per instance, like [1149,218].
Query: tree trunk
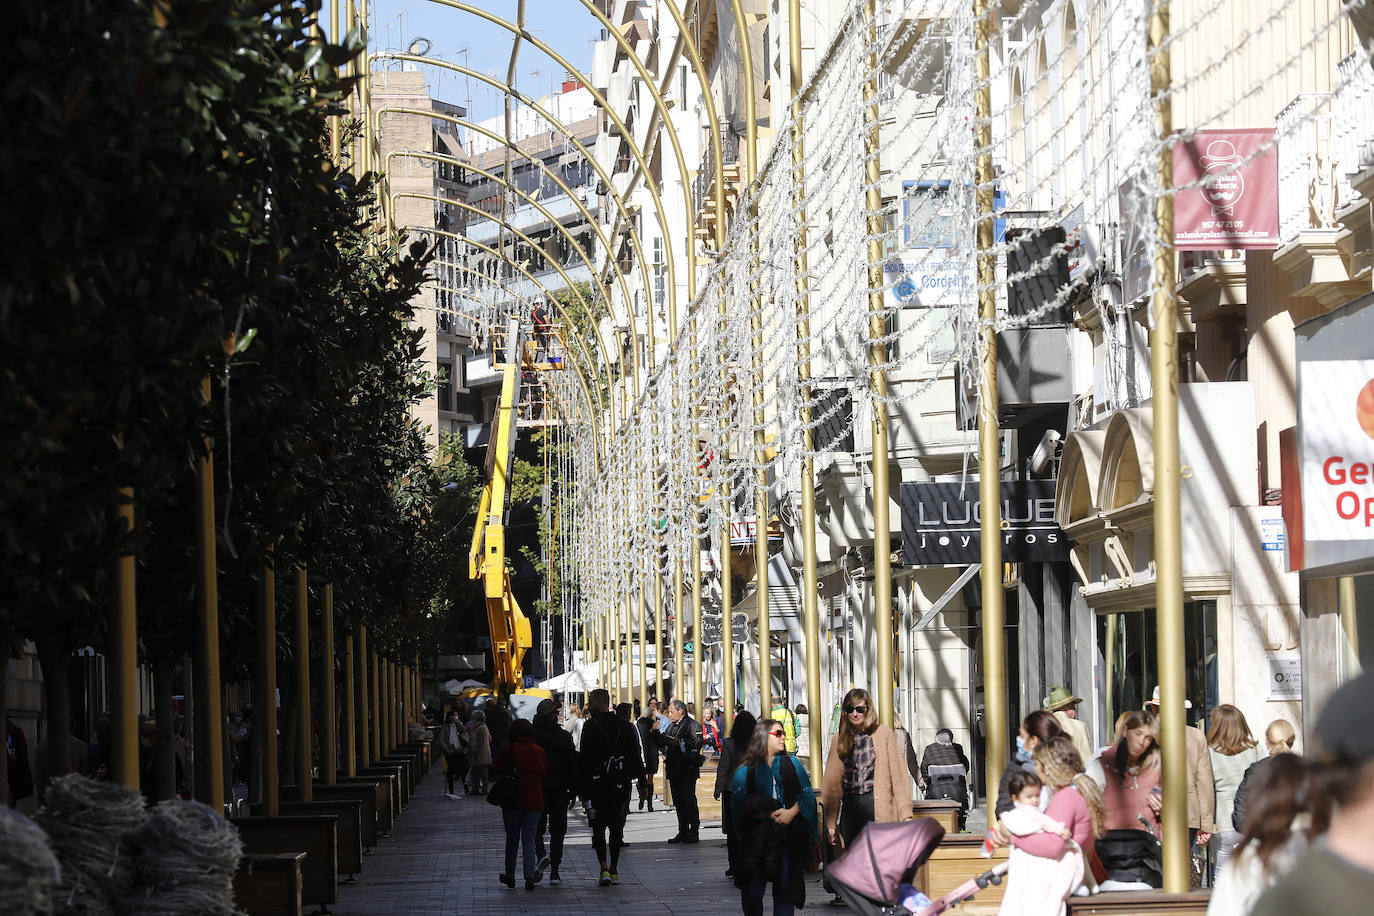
[54,653]
[164,751]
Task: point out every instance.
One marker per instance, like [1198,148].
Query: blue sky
[465,39]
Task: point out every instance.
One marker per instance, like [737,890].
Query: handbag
[505,789]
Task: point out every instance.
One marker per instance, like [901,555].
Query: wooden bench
[1156,903]
[315,835]
[957,859]
[269,884]
[402,773]
[421,751]
[349,837]
[944,810]
[393,782]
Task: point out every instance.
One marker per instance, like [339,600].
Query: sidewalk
[444,854]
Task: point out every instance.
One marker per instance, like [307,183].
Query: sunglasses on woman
[861,710]
[776,733]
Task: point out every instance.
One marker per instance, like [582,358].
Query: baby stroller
[887,855]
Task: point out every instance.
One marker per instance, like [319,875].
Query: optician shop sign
[1337,404]
[941,522]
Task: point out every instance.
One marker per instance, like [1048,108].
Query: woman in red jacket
[527,760]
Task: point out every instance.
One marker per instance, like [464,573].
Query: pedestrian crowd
[1272,831]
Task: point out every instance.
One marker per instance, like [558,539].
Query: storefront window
[1129,644]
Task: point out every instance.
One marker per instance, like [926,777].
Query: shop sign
[1081,244]
[1236,204]
[1285,677]
[941,522]
[927,279]
[1336,404]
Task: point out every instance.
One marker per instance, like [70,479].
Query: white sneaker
[539,869]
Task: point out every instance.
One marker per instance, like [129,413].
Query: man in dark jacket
[681,743]
[559,774]
[609,762]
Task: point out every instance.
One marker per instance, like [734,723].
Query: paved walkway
[444,854]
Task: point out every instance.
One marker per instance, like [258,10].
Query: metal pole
[658,631]
[727,624]
[363,710]
[643,643]
[811,618]
[989,451]
[375,701]
[679,653]
[123,658]
[303,717]
[209,717]
[1168,526]
[882,536]
[350,711]
[756,334]
[329,760]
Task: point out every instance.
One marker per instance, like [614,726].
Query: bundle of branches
[185,855]
[89,824]
[28,868]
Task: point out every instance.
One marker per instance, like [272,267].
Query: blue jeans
[520,827]
[751,895]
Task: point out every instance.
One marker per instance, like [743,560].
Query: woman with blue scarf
[774,810]
[1036,730]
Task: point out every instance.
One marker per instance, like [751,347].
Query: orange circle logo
[1364,408]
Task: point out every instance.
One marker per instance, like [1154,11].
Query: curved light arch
[624,289]
[587,155]
[557,267]
[626,134]
[565,132]
[597,407]
[548,294]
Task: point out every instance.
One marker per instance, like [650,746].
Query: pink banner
[1237,205]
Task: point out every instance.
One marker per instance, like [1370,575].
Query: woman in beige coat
[865,776]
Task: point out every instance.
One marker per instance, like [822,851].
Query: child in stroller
[882,861]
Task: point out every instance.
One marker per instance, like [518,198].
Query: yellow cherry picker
[511,635]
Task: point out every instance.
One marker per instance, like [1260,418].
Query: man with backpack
[681,743]
[560,771]
[610,762]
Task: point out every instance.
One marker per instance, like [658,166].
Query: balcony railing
[1323,140]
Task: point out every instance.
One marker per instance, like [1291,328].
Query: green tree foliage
[170,190]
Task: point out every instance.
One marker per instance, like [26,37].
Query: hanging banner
[1237,204]
[941,522]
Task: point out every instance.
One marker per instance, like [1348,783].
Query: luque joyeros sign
[1338,449]
[941,522]
[1236,204]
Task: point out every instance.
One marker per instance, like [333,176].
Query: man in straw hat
[1064,705]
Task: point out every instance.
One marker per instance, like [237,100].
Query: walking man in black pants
[681,743]
[609,762]
[561,770]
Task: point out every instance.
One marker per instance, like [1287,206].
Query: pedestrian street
[445,852]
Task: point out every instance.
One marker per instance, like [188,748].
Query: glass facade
[1128,643]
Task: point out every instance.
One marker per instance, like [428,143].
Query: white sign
[927,279]
[1337,415]
[1285,677]
[1273,535]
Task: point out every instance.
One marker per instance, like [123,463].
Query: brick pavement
[444,854]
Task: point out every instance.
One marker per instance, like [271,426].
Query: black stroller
[885,856]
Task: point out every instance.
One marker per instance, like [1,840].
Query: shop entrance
[1128,641]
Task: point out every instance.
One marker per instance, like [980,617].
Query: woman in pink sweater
[1077,804]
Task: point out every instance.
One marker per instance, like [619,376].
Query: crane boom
[511,635]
